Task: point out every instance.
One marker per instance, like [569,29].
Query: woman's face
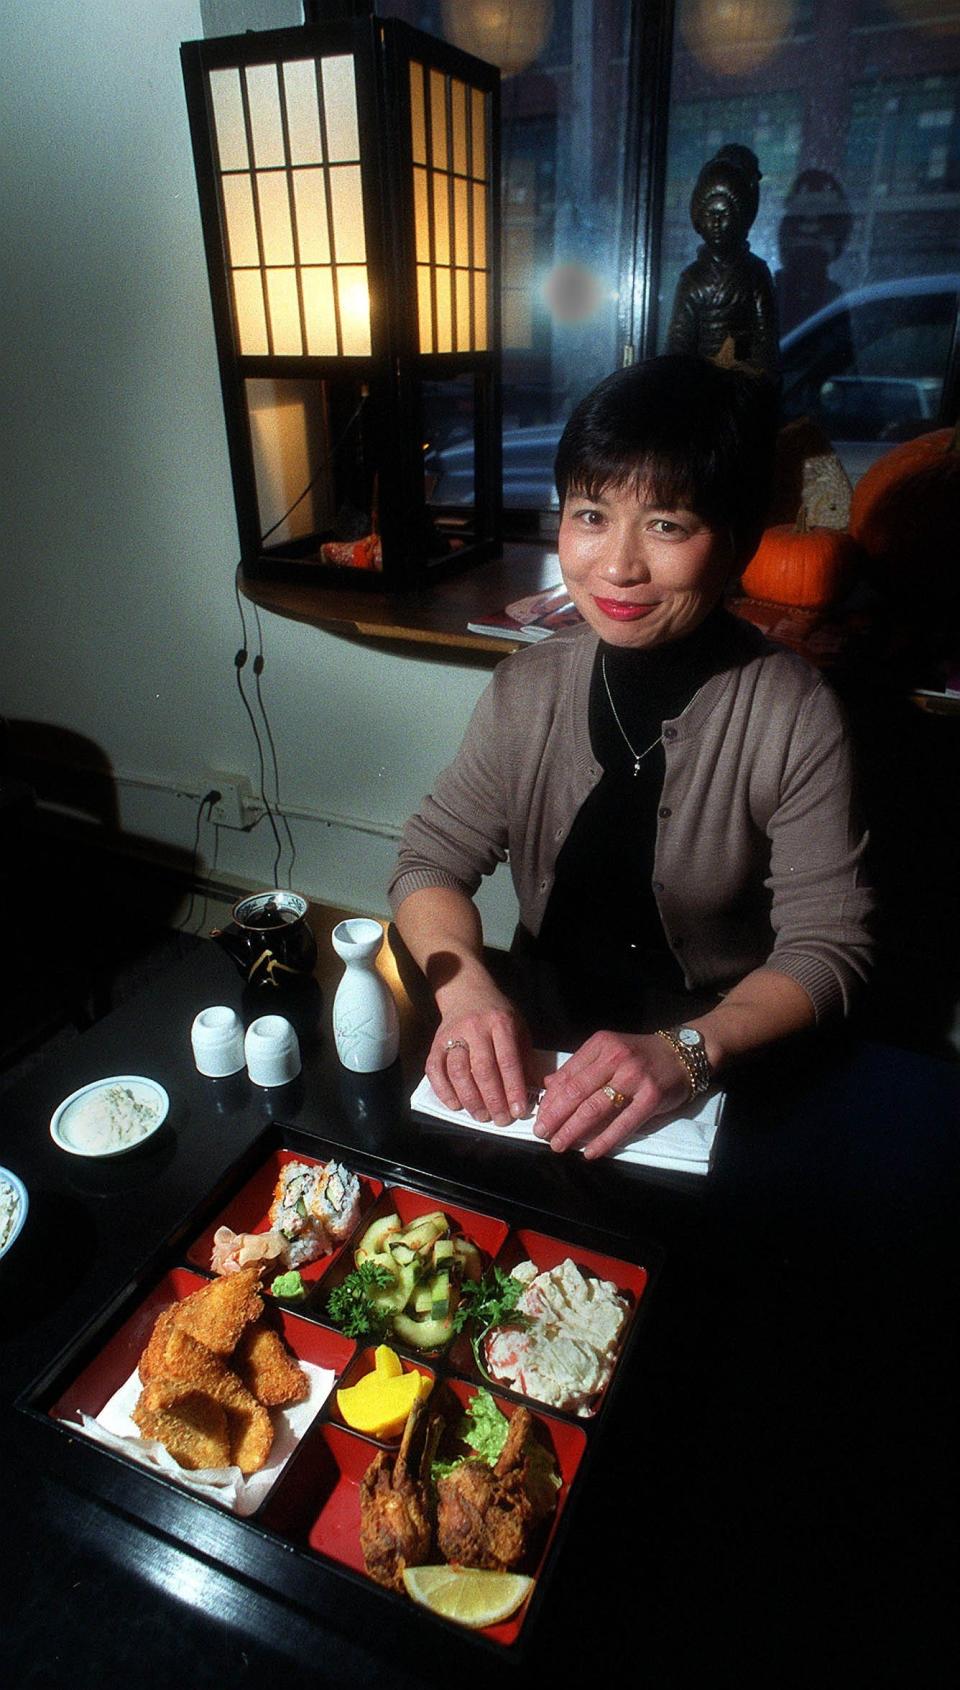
[639,574]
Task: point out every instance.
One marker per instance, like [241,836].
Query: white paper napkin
[114,1429]
[684,1143]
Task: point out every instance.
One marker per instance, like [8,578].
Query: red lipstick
[621,610]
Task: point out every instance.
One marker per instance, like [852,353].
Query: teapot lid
[263,910]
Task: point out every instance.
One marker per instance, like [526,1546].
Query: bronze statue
[725,305]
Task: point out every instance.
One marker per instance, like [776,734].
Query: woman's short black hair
[688,432]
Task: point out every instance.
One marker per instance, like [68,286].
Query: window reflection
[853,109]
[564,93]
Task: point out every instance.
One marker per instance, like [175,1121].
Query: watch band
[693,1055]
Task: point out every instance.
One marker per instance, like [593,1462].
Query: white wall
[117,539]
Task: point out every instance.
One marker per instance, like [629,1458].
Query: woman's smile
[621,610]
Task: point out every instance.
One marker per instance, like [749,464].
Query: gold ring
[617,1098]
[457,1044]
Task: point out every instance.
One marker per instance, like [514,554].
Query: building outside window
[853,110]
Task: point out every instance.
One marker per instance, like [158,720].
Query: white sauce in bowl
[110,1116]
[110,1120]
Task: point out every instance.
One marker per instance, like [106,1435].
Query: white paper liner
[114,1429]
[684,1143]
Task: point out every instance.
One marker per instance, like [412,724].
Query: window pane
[859,212]
[563,141]
[303,111]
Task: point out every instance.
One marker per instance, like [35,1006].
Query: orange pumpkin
[905,514]
[800,565]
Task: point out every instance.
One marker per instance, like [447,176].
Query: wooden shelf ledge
[435,617]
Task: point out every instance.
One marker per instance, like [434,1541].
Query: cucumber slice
[444,1253]
[422,1300]
[423,1334]
[401,1252]
[391,1299]
[375,1238]
[472,1264]
[425,1231]
[439,1287]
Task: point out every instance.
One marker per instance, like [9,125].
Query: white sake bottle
[366,1026]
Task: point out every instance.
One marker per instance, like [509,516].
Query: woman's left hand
[582,1107]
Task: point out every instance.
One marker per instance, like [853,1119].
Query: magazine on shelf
[533,618]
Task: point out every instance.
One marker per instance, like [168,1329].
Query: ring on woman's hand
[617,1098]
[457,1044]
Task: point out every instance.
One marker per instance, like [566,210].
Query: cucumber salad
[407,1281]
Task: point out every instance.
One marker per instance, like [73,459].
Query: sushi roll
[336,1200]
[315,1206]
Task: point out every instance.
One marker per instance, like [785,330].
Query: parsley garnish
[350,1306]
[488,1302]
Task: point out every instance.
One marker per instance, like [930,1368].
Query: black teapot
[270,940]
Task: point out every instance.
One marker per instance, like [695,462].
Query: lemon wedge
[466,1594]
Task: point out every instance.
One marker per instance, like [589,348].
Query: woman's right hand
[480,1059]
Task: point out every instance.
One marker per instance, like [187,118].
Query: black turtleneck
[602,917]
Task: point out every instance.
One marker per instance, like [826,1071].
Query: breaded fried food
[175,1357]
[152,1363]
[267,1368]
[189,1424]
[217,1314]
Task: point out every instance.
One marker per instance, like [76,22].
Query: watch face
[688,1036]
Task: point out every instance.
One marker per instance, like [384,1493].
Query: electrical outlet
[236,795]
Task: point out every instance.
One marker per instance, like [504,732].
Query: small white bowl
[217,1040]
[20,1214]
[69,1124]
[272,1051]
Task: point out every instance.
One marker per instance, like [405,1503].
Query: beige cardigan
[758,854]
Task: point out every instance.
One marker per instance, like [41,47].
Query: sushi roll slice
[315,1206]
[336,1200]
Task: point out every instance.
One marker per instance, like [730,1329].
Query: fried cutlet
[189,1424]
[267,1368]
[151,1363]
[174,1356]
[217,1314]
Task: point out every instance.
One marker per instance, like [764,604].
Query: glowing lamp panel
[451,193]
[288,153]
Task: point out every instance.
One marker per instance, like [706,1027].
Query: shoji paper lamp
[348,176]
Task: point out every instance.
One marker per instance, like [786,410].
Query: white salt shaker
[366,1026]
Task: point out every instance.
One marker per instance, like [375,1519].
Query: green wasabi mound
[289,1286]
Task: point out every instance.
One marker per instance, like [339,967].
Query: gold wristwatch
[689,1046]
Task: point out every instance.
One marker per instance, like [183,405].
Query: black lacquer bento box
[306,1526]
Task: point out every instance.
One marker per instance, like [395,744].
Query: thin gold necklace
[637,756]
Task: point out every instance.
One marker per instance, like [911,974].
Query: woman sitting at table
[673,791]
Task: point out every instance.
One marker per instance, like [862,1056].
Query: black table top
[774,1491]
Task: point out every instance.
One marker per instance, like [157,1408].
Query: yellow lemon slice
[466,1594]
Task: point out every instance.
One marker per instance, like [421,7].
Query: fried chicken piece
[174,1356]
[486,1515]
[189,1424]
[267,1368]
[217,1314]
[519,1433]
[395,1524]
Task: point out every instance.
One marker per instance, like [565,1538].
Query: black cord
[242,657]
[259,663]
[210,798]
[317,474]
[239,663]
